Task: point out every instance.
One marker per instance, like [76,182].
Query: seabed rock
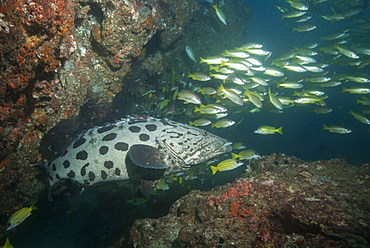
[284,202]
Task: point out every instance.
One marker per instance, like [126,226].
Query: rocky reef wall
[56,57]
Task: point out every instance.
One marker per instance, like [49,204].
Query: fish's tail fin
[197,109]
[280,130]
[214,169]
[44,166]
[33,207]
[325,127]
[234,156]
[321,100]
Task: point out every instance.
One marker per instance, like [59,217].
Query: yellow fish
[19,216]
[220,14]
[189,97]
[268,130]
[223,123]
[360,117]
[245,155]
[231,95]
[200,76]
[228,164]
[7,244]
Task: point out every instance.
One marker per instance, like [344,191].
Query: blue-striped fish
[19,216]
[228,164]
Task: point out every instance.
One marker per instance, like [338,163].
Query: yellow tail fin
[214,169]
[234,156]
[280,130]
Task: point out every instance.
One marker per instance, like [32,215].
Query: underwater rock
[276,204]
[61,57]
[36,37]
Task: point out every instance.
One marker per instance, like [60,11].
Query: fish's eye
[204,133]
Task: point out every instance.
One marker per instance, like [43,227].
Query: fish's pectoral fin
[50,194]
[147,186]
[147,157]
[75,188]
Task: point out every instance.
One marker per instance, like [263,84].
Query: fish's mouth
[224,148]
[227,144]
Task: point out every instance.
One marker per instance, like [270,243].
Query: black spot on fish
[105,129]
[117,172]
[91,176]
[64,153]
[103,150]
[49,163]
[136,121]
[71,174]
[166,123]
[79,142]
[109,137]
[104,175]
[151,127]
[144,137]
[108,164]
[82,155]
[83,169]
[176,134]
[66,164]
[57,176]
[134,129]
[53,167]
[51,178]
[121,146]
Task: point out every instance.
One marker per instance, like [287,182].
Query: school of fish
[248,79]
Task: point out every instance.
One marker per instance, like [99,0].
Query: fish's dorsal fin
[147,157]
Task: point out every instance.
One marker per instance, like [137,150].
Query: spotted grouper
[143,148]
